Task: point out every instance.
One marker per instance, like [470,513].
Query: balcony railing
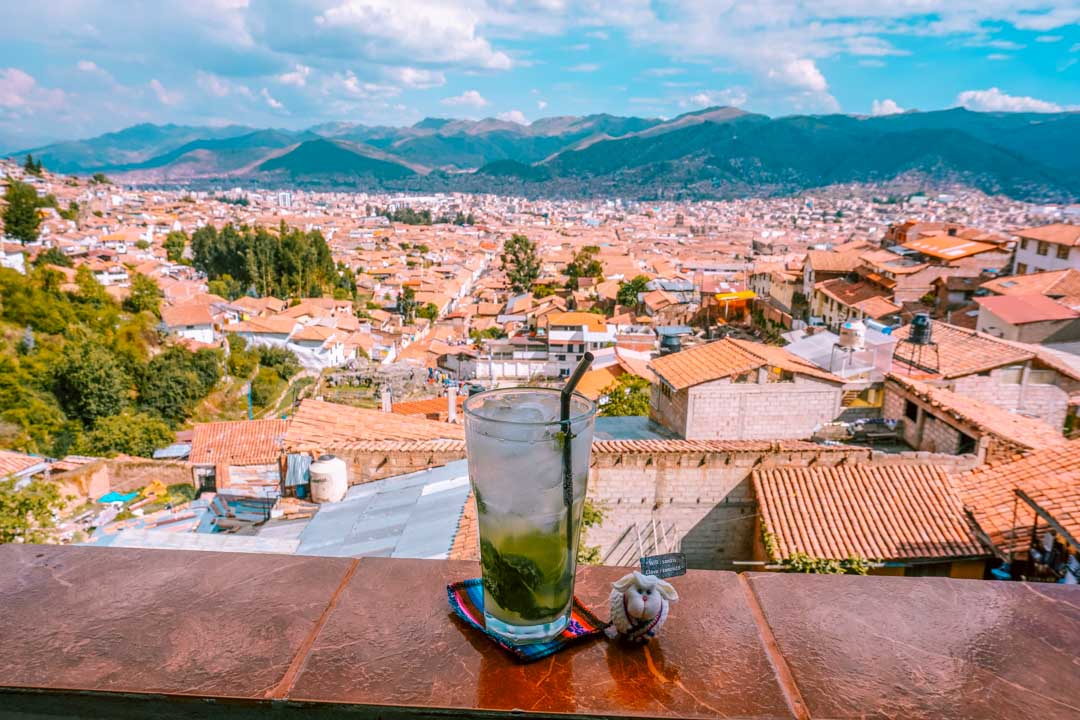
[118,633]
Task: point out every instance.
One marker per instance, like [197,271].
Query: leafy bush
[280,360]
[265,387]
[242,361]
[130,433]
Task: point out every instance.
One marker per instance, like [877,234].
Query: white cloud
[20,92]
[469,98]
[872,46]
[164,96]
[598,35]
[297,76]
[350,85]
[994,100]
[998,56]
[541,104]
[396,31]
[1075,48]
[734,96]
[219,86]
[663,72]
[417,78]
[274,104]
[87,66]
[1049,38]
[514,116]
[872,63]
[800,73]
[583,68]
[885,107]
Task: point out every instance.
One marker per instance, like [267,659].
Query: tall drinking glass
[528,535]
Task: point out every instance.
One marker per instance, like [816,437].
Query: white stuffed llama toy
[639,606]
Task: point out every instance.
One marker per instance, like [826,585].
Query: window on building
[1011,375]
[967,445]
[911,411]
[928,570]
[1023,244]
[1063,252]
[1042,377]
[1043,248]
[776,375]
[665,390]
[560,358]
[1021,268]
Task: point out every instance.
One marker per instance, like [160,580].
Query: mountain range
[713,153]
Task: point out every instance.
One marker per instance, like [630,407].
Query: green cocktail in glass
[528,533]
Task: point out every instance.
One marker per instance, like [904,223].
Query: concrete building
[193,322]
[1050,247]
[738,390]
[1027,318]
[571,334]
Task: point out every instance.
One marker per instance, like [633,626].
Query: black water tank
[670,344]
[921,330]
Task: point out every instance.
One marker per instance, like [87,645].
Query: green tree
[145,295]
[543,291]
[72,212]
[265,387]
[591,516]
[174,245]
[407,304]
[34,168]
[170,387]
[130,433]
[429,311]
[90,290]
[89,383]
[21,219]
[280,360]
[584,264]
[628,395]
[27,513]
[520,263]
[629,290]
[241,360]
[53,256]
[100,179]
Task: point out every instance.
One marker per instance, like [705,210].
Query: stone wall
[377,460]
[1049,403]
[722,410]
[706,497]
[669,409]
[98,478]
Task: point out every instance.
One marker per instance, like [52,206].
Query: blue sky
[77,68]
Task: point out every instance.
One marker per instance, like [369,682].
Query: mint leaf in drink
[512,581]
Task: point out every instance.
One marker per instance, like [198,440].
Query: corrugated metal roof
[408,516]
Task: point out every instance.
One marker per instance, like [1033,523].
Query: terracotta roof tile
[727,358]
[1059,233]
[836,262]
[1055,283]
[1021,309]
[320,425]
[245,442]
[1051,475]
[190,314]
[1024,431]
[884,512]
[466,545]
[961,352]
[12,462]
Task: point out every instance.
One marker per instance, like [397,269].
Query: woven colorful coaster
[467,601]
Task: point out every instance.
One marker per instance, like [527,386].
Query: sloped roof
[1051,475]
[1024,431]
[1059,233]
[1055,283]
[594,322]
[961,351]
[948,247]
[1023,309]
[728,358]
[837,262]
[320,425]
[189,314]
[885,512]
[12,462]
[245,442]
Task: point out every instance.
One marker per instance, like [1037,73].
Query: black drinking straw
[567,451]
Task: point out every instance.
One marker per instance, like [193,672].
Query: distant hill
[715,152]
[323,157]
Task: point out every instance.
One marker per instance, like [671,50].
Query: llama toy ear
[667,590]
[624,582]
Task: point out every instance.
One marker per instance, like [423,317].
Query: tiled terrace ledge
[90,632]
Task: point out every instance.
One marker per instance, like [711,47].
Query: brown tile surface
[152,621]
[875,647]
[392,641]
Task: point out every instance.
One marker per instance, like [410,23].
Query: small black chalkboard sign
[664,566]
